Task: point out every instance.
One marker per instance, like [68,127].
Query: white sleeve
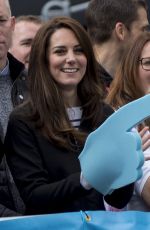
[146,173]
[84,183]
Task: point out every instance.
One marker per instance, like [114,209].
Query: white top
[75,114]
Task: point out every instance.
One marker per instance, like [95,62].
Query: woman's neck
[71,98]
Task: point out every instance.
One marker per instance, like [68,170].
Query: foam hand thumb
[112,156]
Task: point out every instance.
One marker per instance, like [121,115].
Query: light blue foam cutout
[44,222]
[99,220]
[112,156]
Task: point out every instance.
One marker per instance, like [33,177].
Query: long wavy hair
[46,100]
[126,85]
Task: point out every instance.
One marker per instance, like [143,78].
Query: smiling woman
[47,134]
[67,61]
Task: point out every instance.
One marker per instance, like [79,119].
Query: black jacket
[47,176]
[10,202]
[18,73]
[1,150]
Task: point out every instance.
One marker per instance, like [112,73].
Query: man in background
[26,27]
[113,25]
[12,92]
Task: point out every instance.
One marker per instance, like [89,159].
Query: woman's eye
[79,50]
[146,62]
[60,51]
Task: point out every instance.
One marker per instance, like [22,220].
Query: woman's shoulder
[21,112]
[105,112]
[20,121]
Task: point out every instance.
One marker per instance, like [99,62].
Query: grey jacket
[11,203]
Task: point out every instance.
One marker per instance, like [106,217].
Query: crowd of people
[59,83]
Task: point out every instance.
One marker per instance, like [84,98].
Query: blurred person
[132,81]
[46,135]
[12,92]
[113,25]
[26,27]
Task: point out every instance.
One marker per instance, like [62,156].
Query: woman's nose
[70,57]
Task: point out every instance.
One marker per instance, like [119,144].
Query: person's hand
[147,158]
[112,156]
[145,136]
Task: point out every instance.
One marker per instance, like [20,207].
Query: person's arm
[120,197]
[146,192]
[142,186]
[32,178]
[145,137]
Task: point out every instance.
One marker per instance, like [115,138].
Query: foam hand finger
[112,156]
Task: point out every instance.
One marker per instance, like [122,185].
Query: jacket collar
[16,67]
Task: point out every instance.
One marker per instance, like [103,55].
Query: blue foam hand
[112,156]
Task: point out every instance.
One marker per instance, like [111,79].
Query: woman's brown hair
[46,102]
[126,86]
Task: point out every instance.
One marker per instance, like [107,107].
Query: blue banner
[91,220]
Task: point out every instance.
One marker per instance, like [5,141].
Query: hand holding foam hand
[112,156]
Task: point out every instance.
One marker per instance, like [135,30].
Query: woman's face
[67,61]
[144,69]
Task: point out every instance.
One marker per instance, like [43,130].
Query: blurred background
[50,8]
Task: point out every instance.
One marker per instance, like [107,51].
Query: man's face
[6,27]
[140,25]
[136,28]
[23,36]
